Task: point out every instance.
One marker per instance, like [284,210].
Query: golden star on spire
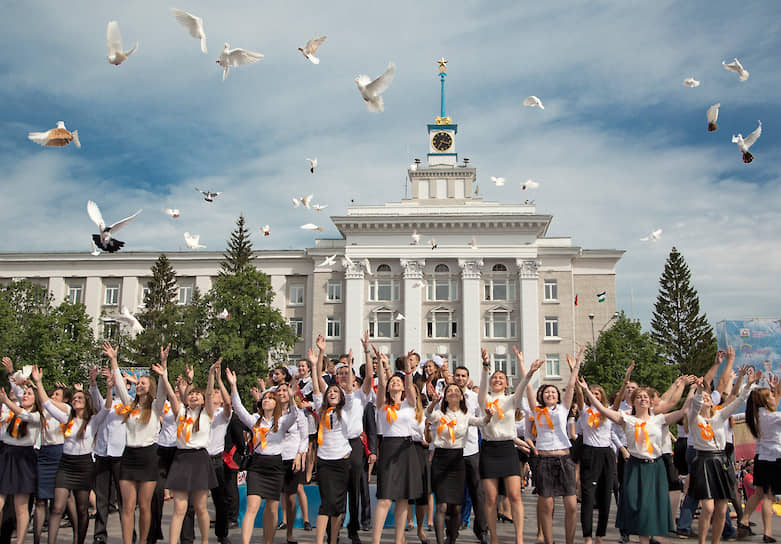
[442,64]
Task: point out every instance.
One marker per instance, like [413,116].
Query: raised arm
[208,403]
[368,380]
[318,383]
[671,397]
[407,374]
[677,415]
[9,367]
[612,415]
[164,385]
[525,380]
[227,405]
[724,379]
[244,416]
[566,401]
[482,392]
[119,380]
[382,381]
[318,376]
[528,389]
[159,402]
[620,394]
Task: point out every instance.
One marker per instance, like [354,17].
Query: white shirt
[261,428]
[33,435]
[710,434]
[72,444]
[52,432]
[633,426]
[168,424]
[682,431]
[217,432]
[401,426]
[297,437]
[140,434]
[336,444]
[471,445]
[769,441]
[111,438]
[187,438]
[442,423]
[554,438]
[354,404]
[595,428]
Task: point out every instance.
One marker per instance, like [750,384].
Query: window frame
[553,321]
[290,291]
[376,325]
[114,288]
[188,289]
[451,324]
[333,327]
[490,322]
[336,285]
[551,285]
[550,358]
[75,287]
[295,323]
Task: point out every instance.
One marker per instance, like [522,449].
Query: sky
[621,148]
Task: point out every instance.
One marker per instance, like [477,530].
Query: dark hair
[542,388]
[339,405]
[443,401]
[362,371]
[286,373]
[21,430]
[89,411]
[388,399]
[277,410]
[759,398]
[197,424]
[461,368]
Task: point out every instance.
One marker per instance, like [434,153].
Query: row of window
[111,294]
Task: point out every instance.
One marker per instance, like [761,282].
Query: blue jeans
[689,504]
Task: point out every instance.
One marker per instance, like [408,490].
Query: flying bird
[653,237]
[691,82]
[208,196]
[224,314]
[306,201]
[129,320]
[329,261]
[533,102]
[105,240]
[419,283]
[95,251]
[529,184]
[312,164]
[55,137]
[473,243]
[114,40]
[311,47]
[173,212]
[713,115]
[499,182]
[192,241]
[745,143]
[367,266]
[737,67]
[399,317]
[433,243]
[235,57]
[193,24]
[319,207]
[415,238]
[312,226]
[347,261]
[413,167]
[371,90]
[266,230]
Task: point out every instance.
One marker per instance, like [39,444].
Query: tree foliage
[684,335]
[616,348]
[239,251]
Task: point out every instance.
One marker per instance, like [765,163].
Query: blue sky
[620,149]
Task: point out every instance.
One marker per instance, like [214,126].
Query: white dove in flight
[173,212]
[193,24]
[312,164]
[129,320]
[192,241]
[319,207]
[499,182]
[266,230]
[653,236]
[95,251]
[691,82]
[347,261]
[529,184]
[371,90]
[748,141]
[713,115]
[208,196]
[328,261]
[311,47]
[224,314]
[415,238]
[399,317]
[236,57]
[737,67]
[312,226]
[533,102]
[55,137]
[114,40]
[105,240]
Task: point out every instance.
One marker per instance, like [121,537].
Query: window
[185,294]
[551,290]
[383,268]
[551,327]
[441,286]
[384,290]
[383,325]
[110,330]
[144,291]
[297,324]
[499,267]
[504,363]
[441,324]
[296,295]
[499,325]
[334,293]
[111,297]
[552,365]
[75,293]
[499,289]
[333,328]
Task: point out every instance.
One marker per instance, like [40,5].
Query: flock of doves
[60,136]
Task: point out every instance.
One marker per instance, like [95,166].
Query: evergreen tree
[677,327]
[616,348]
[162,286]
[239,252]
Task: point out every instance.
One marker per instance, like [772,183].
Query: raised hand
[365,339]
[164,355]
[570,362]
[320,343]
[518,353]
[8,365]
[255,392]
[110,352]
[730,354]
[312,358]
[158,369]
[720,356]
[629,371]
[536,365]
[189,372]
[484,357]
[36,375]
[230,376]
[583,384]
[580,353]
[78,387]
[93,375]
[216,367]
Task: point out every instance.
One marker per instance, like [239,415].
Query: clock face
[442,141]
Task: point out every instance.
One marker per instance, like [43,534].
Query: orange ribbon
[67,428]
[707,432]
[641,427]
[15,421]
[325,420]
[495,405]
[390,412]
[544,412]
[534,426]
[185,426]
[262,431]
[166,408]
[450,426]
[122,409]
[593,418]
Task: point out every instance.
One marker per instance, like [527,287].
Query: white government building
[494,279]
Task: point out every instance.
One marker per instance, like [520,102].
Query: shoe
[768,539]
[623,539]
[281,525]
[684,533]
[485,538]
[355,539]
[652,540]
[743,531]
[366,527]
[224,540]
[430,527]
[464,525]
[307,526]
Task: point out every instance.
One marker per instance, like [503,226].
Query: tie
[593,418]
[185,425]
[262,431]
[67,429]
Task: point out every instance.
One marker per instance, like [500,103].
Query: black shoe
[366,527]
[224,540]
[307,526]
[281,525]
[743,531]
[355,539]
[768,539]
[485,538]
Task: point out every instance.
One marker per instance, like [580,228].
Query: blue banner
[757,342]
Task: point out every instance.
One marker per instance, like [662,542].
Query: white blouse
[33,435]
[334,432]
[396,421]
[187,438]
[264,441]
[450,429]
[769,441]
[168,423]
[644,438]
[595,428]
[710,434]
[297,436]
[139,434]
[551,424]
[72,444]
[52,432]
[219,427]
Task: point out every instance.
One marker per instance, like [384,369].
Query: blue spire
[443,119]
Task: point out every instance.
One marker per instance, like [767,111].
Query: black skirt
[291,479]
[139,464]
[399,475]
[673,480]
[679,455]
[332,483]
[191,470]
[425,468]
[644,505]
[712,477]
[76,473]
[554,476]
[448,474]
[264,476]
[18,471]
[498,459]
[576,448]
[767,475]
[48,464]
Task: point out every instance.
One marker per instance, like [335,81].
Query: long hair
[145,405]
[418,404]
[759,398]
[276,414]
[21,429]
[339,405]
[388,399]
[646,390]
[89,411]
[444,404]
[602,394]
[197,424]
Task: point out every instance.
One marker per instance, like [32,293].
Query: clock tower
[442,134]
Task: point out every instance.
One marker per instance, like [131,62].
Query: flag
[576,300]
[601,296]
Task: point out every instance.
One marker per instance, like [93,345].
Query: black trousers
[165,456]
[232,493]
[220,500]
[366,500]
[106,481]
[597,470]
[472,465]
[357,461]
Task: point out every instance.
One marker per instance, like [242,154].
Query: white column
[530,309]
[128,293]
[469,328]
[414,288]
[93,300]
[57,289]
[353,304]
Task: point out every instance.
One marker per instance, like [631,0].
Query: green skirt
[644,505]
